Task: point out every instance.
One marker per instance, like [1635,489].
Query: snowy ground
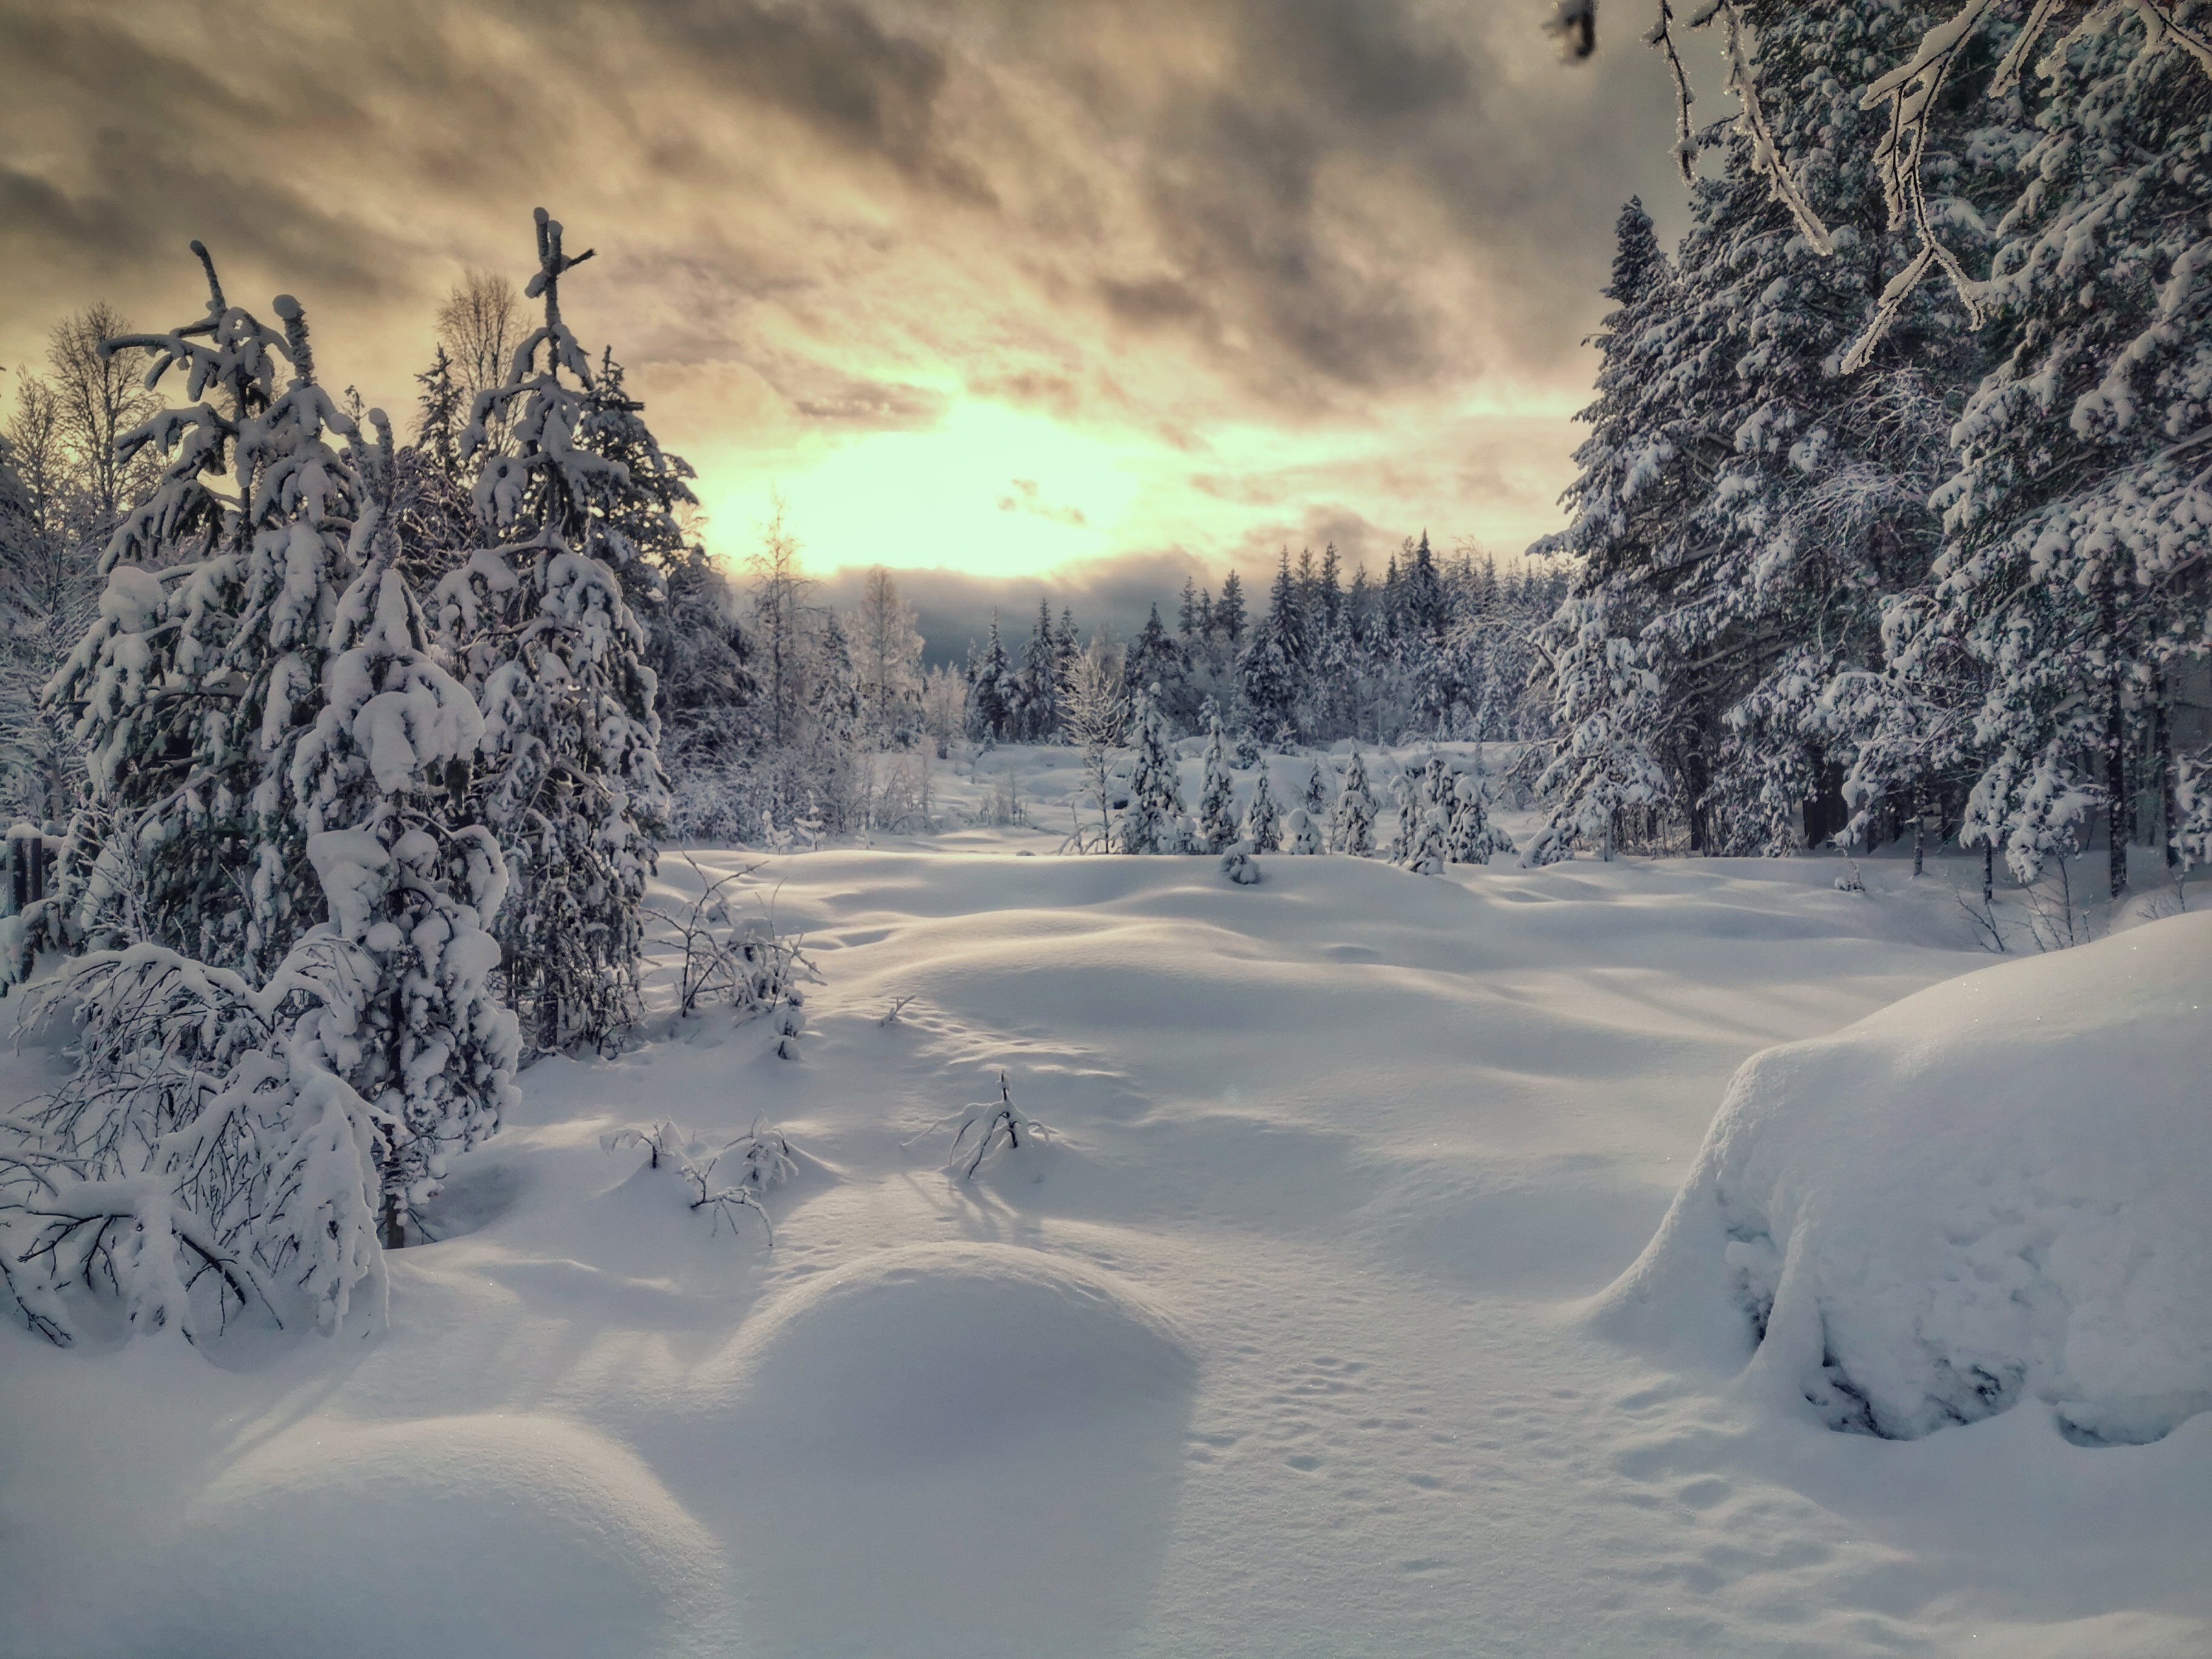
[1284,1345]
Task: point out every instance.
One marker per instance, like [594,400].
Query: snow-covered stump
[1988,1192]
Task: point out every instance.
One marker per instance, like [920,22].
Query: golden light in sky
[991,285]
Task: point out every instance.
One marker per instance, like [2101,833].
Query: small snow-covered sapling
[1240,866]
[763,1156]
[998,1126]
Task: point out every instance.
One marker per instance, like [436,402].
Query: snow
[1294,1338]
[1990,1192]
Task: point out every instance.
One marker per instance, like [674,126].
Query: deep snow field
[1318,1327]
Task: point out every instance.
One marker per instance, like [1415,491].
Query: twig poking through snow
[763,1156]
[1003,1126]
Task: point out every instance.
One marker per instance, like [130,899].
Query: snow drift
[1990,1192]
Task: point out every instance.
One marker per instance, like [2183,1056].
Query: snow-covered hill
[1288,1340]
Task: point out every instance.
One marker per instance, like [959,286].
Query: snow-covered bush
[732,955]
[1239,865]
[1300,833]
[762,1160]
[207,1160]
[1988,1192]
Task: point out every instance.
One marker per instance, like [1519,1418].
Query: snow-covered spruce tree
[1405,796]
[1153,820]
[1263,827]
[401,970]
[1600,762]
[1351,820]
[2079,518]
[190,689]
[569,779]
[990,688]
[1217,798]
[1472,838]
[1314,797]
[220,1149]
[1744,503]
[1301,834]
[1428,852]
[1437,783]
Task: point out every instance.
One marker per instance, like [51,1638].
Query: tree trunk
[1989,871]
[2161,760]
[2116,793]
[1920,830]
[395,1223]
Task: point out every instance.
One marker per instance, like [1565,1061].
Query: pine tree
[401,970]
[1262,830]
[570,781]
[1471,837]
[1427,847]
[2077,519]
[1315,799]
[1227,616]
[1405,796]
[990,703]
[1216,802]
[1153,822]
[189,690]
[1351,820]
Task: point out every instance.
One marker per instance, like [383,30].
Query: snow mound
[486,1535]
[1990,1192]
[922,1352]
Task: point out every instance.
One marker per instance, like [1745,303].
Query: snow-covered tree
[189,691]
[1262,831]
[1351,820]
[1405,796]
[1429,845]
[1472,838]
[1301,834]
[1315,798]
[2078,519]
[401,970]
[569,780]
[990,686]
[1153,820]
[886,661]
[1217,798]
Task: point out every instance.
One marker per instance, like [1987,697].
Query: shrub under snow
[1990,1192]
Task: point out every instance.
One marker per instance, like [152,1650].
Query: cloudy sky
[1090,288]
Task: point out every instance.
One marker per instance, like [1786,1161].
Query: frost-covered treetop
[271,444]
[552,414]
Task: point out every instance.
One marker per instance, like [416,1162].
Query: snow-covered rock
[1990,1192]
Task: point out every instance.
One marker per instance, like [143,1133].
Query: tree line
[1893,515]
